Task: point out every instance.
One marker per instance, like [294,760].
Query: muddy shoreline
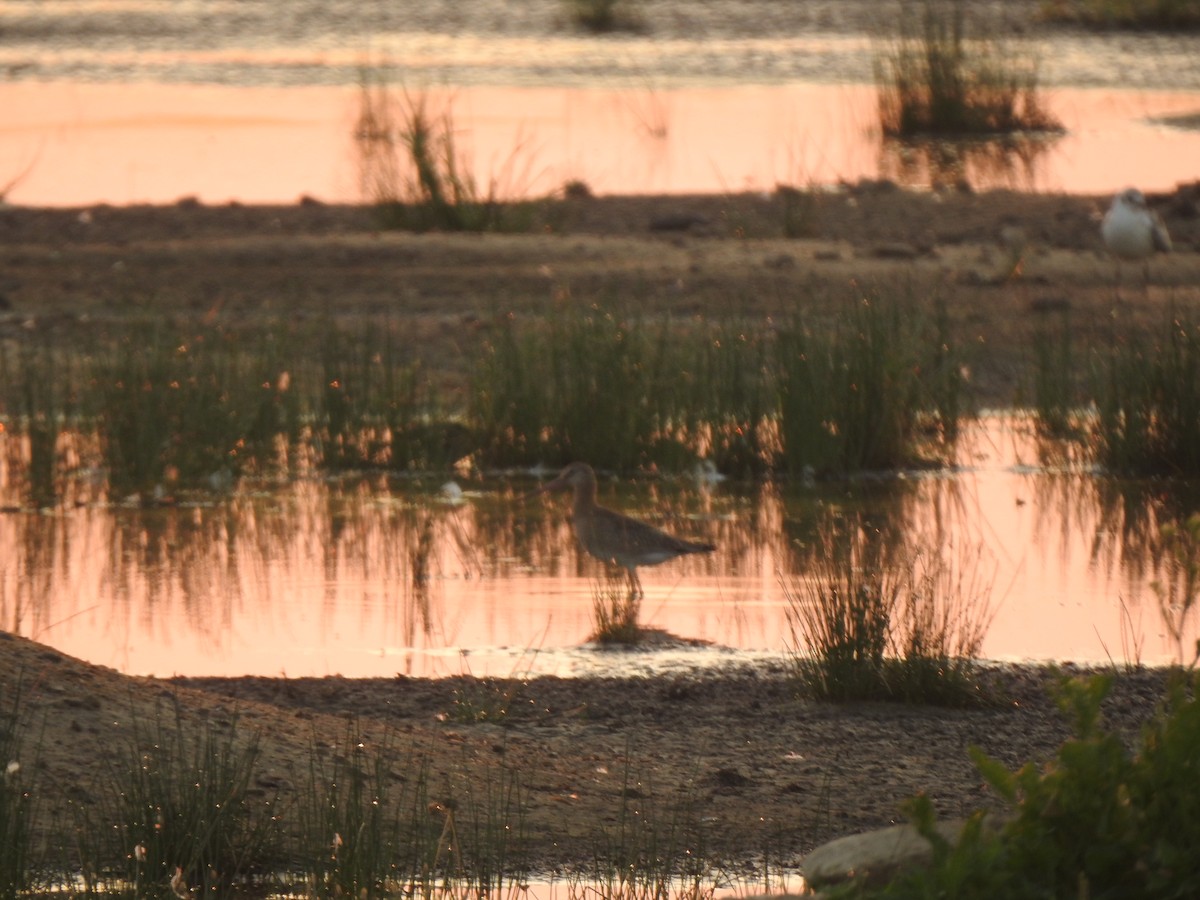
[750,770]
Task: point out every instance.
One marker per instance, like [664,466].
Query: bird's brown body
[612,537]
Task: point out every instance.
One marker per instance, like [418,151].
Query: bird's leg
[635,585]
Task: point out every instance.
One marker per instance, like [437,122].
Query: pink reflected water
[328,577]
[66,144]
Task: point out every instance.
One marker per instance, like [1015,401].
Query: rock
[895,250]
[874,857]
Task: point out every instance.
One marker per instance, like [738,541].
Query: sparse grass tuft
[656,849]
[936,79]
[615,611]
[363,830]
[867,625]
[413,170]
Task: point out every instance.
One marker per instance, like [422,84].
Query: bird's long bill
[556,484]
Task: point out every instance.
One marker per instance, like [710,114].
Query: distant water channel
[137,101]
[377,575]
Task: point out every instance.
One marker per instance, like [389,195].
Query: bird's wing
[613,536]
[1162,240]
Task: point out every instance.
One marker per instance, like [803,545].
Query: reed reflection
[383,574]
[1015,163]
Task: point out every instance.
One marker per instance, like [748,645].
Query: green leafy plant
[1099,821]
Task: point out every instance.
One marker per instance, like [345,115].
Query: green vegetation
[180,408]
[18,801]
[1147,395]
[1099,821]
[182,813]
[1135,14]
[875,391]
[872,619]
[1055,387]
[1139,411]
[372,826]
[41,408]
[176,408]
[937,78]
[185,810]
[862,393]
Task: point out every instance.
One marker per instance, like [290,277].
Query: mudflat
[765,772]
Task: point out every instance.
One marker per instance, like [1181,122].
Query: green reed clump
[874,622]
[1147,395]
[1056,397]
[727,403]
[176,408]
[880,387]
[375,407]
[181,812]
[937,79]
[1102,819]
[1134,14]
[582,383]
[37,387]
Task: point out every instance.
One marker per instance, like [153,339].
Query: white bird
[1132,231]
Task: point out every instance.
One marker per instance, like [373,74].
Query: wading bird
[1133,232]
[614,538]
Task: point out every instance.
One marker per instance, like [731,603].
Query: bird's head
[1132,197]
[576,476]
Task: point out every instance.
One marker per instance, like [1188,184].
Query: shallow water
[375,576]
[131,101]
[67,144]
